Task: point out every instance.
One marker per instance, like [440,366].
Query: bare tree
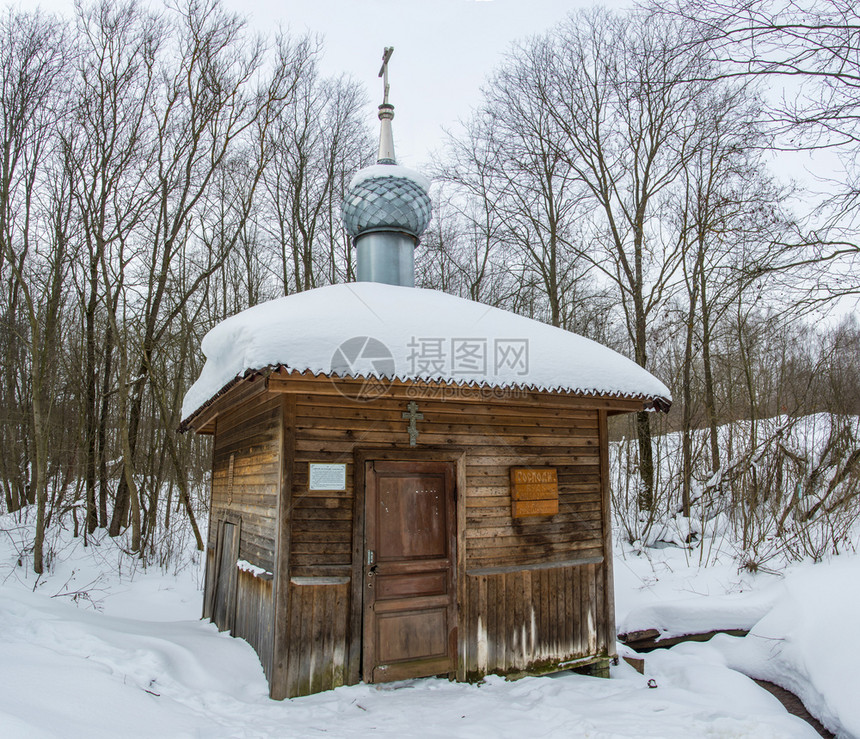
[514,188]
[213,101]
[621,93]
[466,250]
[317,143]
[811,52]
[109,150]
[34,213]
[732,218]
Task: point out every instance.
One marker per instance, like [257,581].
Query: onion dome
[387,197]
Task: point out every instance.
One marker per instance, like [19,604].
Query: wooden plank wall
[530,620]
[495,438]
[319,611]
[247,445]
[245,485]
[515,617]
[253,621]
[320,560]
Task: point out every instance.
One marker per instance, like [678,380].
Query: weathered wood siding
[534,593]
[245,487]
[531,620]
[246,475]
[514,617]
[319,614]
[253,621]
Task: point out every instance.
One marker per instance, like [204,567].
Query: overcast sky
[443,49]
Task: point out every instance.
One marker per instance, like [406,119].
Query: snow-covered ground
[802,621]
[96,649]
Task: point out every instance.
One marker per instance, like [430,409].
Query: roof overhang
[282,379]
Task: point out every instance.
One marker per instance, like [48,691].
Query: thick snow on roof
[389,170]
[369,329]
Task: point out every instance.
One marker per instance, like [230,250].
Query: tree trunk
[102,429]
[687,422]
[647,500]
[128,432]
[90,411]
[646,461]
[39,480]
[707,370]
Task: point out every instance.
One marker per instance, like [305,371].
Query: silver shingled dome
[386,203]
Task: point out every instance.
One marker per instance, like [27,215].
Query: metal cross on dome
[383,72]
[413,415]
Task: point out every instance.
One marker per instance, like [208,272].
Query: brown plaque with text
[534,491]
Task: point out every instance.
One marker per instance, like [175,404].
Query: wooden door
[410,614]
[225,586]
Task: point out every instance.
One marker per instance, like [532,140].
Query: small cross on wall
[412,415]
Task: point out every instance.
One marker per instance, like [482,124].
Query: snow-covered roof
[366,329]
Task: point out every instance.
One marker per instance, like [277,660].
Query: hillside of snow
[801,620]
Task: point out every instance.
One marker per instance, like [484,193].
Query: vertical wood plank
[294,644]
[600,599]
[329,624]
[341,636]
[585,606]
[356,603]
[527,628]
[316,638]
[281,617]
[233,591]
[306,643]
[563,624]
[547,611]
[491,620]
[471,611]
[515,585]
[608,620]
[594,609]
[503,638]
[577,610]
[485,606]
[209,581]
[570,617]
[516,580]
[549,597]
[268,622]
[467,623]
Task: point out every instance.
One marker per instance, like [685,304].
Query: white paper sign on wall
[327,476]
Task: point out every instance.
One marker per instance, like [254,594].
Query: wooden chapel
[406,483]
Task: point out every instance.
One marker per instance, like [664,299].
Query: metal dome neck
[386,135]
